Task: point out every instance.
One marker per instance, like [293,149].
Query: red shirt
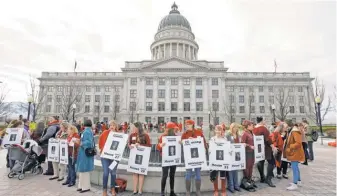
[193,134]
[247,138]
[133,139]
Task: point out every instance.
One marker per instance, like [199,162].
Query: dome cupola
[174,19]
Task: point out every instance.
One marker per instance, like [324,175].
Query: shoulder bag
[90,152]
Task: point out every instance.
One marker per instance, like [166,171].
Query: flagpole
[275,65]
[75,66]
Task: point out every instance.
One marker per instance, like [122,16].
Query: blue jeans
[296,172]
[233,181]
[106,171]
[189,172]
[71,178]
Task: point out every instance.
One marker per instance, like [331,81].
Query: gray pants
[311,151]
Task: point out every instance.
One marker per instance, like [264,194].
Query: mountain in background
[12,110]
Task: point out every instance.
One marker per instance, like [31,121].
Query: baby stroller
[26,159]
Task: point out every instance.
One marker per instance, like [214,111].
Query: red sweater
[193,134]
[134,138]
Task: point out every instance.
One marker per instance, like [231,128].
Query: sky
[101,35]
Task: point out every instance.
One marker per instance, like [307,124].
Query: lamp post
[74,108]
[318,116]
[273,109]
[137,115]
[29,100]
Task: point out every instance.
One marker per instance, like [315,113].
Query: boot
[216,187]
[105,192]
[252,182]
[260,167]
[269,182]
[223,187]
[270,174]
[197,187]
[188,187]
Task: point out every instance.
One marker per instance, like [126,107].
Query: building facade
[175,85]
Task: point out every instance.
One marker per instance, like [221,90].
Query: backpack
[314,135]
[120,185]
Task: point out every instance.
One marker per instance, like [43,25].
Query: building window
[118,89]
[174,81]
[215,106]
[252,109]
[301,109]
[242,89]
[187,81]
[133,93]
[133,106]
[148,119]
[254,120]
[292,109]
[291,99]
[59,88]
[187,106]
[198,93]
[87,109]
[87,98]
[149,106]
[97,98]
[231,88]
[117,98]
[215,81]
[251,89]
[49,98]
[271,99]
[50,89]
[260,89]
[174,106]
[199,106]
[106,98]
[291,89]
[97,109]
[241,98]
[198,81]
[161,106]
[133,81]
[242,119]
[106,109]
[261,99]
[242,109]
[301,99]
[215,94]
[97,89]
[161,81]
[105,119]
[300,89]
[48,108]
[232,110]
[200,121]
[270,89]
[251,98]
[116,108]
[187,93]
[149,93]
[149,81]
[107,89]
[161,93]
[262,109]
[58,99]
[174,93]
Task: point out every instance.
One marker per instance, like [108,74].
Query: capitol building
[176,85]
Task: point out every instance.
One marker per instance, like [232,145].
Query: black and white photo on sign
[238,157]
[54,150]
[12,136]
[194,153]
[139,160]
[219,154]
[114,146]
[259,148]
[64,151]
[171,151]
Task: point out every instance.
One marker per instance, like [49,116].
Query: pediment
[174,63]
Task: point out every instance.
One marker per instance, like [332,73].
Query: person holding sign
[278,142]
[247,139]
[138,138]
[169,131]
[261,129]
[72,155]
[190,134]
[107,162]
[219,135]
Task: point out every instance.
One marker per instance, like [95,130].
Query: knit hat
[189,122]
[246,123]
[171,125]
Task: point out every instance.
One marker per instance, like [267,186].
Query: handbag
[121,185]
[90,152]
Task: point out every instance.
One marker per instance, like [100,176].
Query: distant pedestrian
[308,134]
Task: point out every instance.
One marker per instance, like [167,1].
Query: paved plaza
[319,178]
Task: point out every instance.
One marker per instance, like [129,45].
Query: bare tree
[250,104]
[282,103]
[116,106]
[214,108]
[39,97]
[133,107]
[4,107]
[230,109]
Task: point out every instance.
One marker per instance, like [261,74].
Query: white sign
[114,146]
[194,153]
[171,152]
[53,150]
[219,154]
[139,160]
[12,136]
[259,148]
[64,152]
[238,156]
[113,165]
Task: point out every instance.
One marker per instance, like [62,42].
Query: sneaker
[279,176]
[285,176]
[292,187]
[299,183]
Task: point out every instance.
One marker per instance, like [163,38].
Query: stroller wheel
[33,171]
[39,170]
[11,175]
[21,176]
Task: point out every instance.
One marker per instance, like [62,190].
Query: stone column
[167,95]
[184,54]
[205,94]
[171,49]
[164,50]
[193,94]
[220,99]
[141,94]
[177,44]
[125,95]
[180,95]
[189,52]
[155,95]
[196,54]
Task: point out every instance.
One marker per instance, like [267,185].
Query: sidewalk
[319,178]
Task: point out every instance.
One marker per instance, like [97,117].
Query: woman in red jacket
[169,131]
[138,138]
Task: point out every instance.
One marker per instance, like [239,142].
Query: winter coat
[262,130]
[293,146]
[308,133]
[84,162]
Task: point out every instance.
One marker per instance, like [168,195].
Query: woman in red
[138,138]
[169,131]
[278,142]
[248,140]
[190,134]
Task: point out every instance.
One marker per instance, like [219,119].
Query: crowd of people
[286,144]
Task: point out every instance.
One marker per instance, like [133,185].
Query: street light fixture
[273,109]
[30,101]
[318,115]
[74,108]
[137,115]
